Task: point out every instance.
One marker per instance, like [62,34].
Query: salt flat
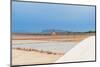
[61,47]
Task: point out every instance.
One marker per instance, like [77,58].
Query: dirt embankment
[69,37]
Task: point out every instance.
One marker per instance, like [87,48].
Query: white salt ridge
[84,51]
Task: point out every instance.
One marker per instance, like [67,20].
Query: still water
[48,46]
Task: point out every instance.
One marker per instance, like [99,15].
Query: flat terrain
[67,37]
[21,57]
[58,47]
[40,49]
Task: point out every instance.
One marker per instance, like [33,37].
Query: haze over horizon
[36,17]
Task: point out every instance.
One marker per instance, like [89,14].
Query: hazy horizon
[36,17]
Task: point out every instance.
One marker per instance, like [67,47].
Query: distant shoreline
[49,37]
[50,33]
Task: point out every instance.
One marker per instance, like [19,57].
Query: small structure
[54,33]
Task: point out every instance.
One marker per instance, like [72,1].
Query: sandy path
[20,57]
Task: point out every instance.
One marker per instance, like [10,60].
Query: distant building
[53,33]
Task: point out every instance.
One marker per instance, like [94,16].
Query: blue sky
[35,17]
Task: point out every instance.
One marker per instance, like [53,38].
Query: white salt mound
[83,51]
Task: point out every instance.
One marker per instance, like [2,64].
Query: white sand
[84,51]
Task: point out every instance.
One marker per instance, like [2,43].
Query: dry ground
[20,57]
